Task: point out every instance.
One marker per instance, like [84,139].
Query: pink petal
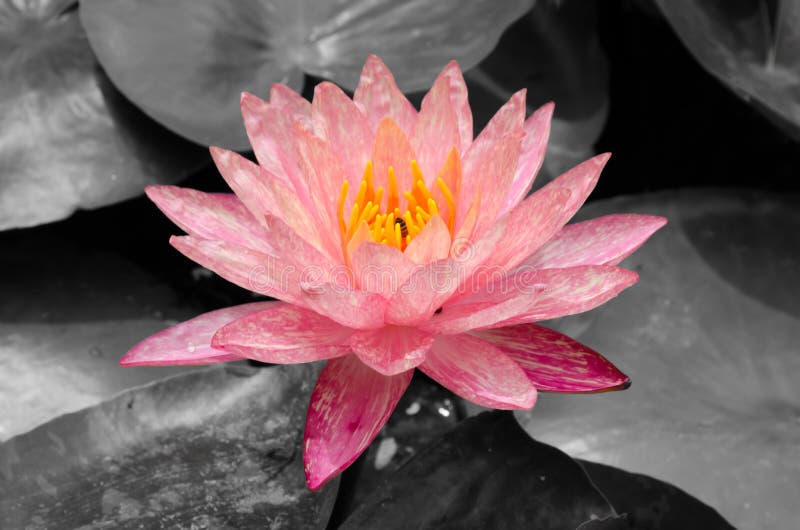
[210,216]
[259,121]
[509,120]
[190,342]
[555,362]
[380,268]
[477,371]
[534,145]
[290,103]
[431,244]
[284,333]
[391,350]
[269,127]
[246,179]
[458,99]
[605,240]
[529,295]
[497,170]
[264,195]
[378,97]
[249,269]
[349,406]
[341,124]
[527,227]
[436,131]
[324,175]
[349,307]
[312,264]
[392,148]
[430,286]
[580,181]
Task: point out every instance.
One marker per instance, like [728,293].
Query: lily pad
[221,448]
[185,63]
[68,138]
[645,502]
[486,473]
[709,337]
[68,315]
[752,46]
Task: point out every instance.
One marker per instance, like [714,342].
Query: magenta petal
[284,333]
[555,362]
[605,240]
[477,371]
[391,350]
[378,97]
[210,216]
[349,406]
[190,342]
[534,145]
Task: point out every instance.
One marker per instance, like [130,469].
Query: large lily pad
[68,138]
[221,448]
[185,63]
[486,473]
[710,339]
[752,46]
[68,315]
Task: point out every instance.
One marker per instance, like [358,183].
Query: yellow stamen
[372,221]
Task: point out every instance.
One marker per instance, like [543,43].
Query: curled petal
[349,406]
[605,240]
[391,350]
[477,371]
[555,362]
[190,342]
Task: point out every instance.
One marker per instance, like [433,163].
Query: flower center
[393,220]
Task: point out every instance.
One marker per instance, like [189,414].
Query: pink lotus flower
[394,241]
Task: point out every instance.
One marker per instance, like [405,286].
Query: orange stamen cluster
[386,223]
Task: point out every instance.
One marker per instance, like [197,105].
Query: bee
[403,226]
